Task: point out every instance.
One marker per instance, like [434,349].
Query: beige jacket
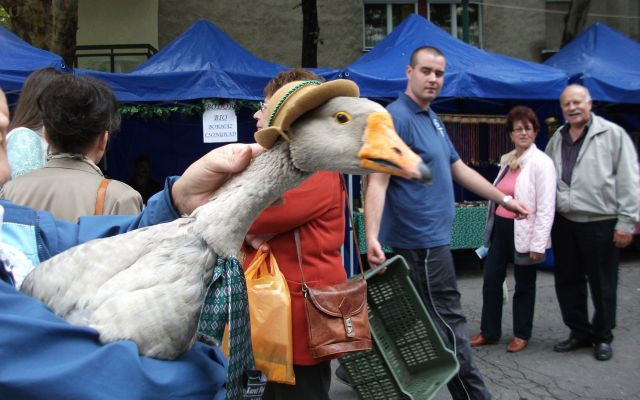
[67,187]
[604,184]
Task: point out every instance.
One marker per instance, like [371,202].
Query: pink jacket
[536,188]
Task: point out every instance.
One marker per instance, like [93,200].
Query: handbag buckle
[348,326]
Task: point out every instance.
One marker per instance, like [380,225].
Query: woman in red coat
[316,210]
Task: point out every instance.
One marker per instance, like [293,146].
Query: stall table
[467,232]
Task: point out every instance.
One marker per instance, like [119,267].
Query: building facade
[272,29]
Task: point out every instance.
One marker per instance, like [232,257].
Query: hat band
[286,95]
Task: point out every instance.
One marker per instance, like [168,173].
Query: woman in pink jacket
[528,175]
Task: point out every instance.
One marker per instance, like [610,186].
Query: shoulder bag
[337,315]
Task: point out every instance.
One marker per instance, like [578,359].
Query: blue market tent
[203,62]
[19,59]
[471,72]
[605,61]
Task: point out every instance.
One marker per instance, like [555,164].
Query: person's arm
[44,356]
[473,181]
[545,191]
[627,191]
[373,207]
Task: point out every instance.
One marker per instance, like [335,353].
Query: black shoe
[570,344]
[342,376]
[602,351]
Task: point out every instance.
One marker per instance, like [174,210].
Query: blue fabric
[470,72]
[44,357]
[202,62]
[19,59]
[22,236]
[408,220]
[53,236]
[605,61]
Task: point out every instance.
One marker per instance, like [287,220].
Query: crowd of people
[580,195]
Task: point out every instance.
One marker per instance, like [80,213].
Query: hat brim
[304,100]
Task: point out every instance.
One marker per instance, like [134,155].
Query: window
[380,17]
[447,14]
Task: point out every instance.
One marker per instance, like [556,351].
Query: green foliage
[5,20]
[165,110]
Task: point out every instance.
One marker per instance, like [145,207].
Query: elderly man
[596,210]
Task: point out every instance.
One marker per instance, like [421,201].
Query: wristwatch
[505,200]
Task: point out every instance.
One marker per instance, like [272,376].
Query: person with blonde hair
[26,146]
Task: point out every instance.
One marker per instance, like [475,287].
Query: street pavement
[539,373]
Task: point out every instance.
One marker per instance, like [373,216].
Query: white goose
[148,285]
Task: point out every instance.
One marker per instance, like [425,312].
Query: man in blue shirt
[416,219]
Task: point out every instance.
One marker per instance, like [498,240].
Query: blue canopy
[605,61]
[19,59]
[203,62]
[470,73]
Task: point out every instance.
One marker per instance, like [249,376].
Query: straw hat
[296,98]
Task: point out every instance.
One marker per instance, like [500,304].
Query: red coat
[316,208]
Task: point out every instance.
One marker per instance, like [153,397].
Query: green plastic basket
[408,359]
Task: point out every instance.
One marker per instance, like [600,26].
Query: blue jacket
[43,356]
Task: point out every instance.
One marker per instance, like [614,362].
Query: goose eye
[343,117]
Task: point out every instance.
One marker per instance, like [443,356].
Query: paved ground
[538,372]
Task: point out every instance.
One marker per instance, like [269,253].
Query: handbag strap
[102,192]
[296,236]
[353,231]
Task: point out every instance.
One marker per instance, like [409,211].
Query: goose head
[328,127]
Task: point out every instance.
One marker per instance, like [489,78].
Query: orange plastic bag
[270,314]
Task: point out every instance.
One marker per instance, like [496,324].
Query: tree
[46,24]
[310,33]
[4,19]
[575,20]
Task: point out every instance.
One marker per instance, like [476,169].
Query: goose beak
[384,151]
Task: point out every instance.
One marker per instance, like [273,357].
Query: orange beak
[384,151]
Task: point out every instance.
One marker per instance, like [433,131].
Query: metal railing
[113,51]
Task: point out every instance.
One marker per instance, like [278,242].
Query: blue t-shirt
[416,215]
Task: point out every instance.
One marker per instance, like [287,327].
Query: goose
[149,285]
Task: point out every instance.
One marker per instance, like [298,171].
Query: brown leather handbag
[337,315]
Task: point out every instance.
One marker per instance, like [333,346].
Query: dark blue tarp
[19,59]
[203,62]
[470,73]
[605,61]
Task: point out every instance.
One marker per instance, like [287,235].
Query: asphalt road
[538,373]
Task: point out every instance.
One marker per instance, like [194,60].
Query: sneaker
[341,374]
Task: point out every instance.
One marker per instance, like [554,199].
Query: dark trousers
[434,276]
[585,254]
[495,269]
[312,383]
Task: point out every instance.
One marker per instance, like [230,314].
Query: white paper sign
[219,123]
